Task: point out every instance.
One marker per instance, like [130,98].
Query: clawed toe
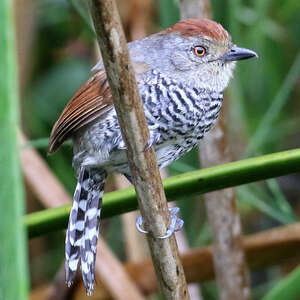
[154,138]
[175,223]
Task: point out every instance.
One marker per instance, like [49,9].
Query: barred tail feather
[82,234]
[91,230]
[75,229]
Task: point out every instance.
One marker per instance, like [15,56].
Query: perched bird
[181,74]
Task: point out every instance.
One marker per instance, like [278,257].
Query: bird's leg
[75,229]
[175,223]
[82,235]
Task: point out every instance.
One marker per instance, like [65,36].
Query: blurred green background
[56,53]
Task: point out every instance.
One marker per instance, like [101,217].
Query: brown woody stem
[143,166]
[231,269]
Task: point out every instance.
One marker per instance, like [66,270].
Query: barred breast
[177,116]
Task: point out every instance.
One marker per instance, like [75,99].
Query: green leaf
[266,125]
[287,288]
[82,7]
[13,265]
[169,13]
[258,198]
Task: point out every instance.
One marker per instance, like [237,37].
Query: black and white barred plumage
[83,228]
[177,115]
[181,89]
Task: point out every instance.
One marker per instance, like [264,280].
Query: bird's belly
[164,155]
[95,147]
[177,118]
[169,153]
[116,161]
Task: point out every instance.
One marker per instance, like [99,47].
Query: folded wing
[91,101]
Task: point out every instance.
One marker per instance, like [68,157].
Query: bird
[181,74]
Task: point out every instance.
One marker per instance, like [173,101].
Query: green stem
[196,182]
[13,264]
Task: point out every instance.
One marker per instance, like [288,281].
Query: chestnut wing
[91,101]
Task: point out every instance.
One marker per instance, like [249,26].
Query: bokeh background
[56,50]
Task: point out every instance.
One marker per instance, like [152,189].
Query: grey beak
[237,53]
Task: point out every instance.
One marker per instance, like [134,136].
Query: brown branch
[183,246]
[143,166]
[229,261]
[58,289]
[139,18]
[26,19]
[194,9]
[229,258]
[113,272]
[265,249]
[40,179]
[51,193]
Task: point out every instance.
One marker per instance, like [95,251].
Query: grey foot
[175,225]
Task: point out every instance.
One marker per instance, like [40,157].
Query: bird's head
[197,52]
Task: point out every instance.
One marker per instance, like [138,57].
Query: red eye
[199,50]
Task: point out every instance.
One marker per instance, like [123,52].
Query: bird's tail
[83,228]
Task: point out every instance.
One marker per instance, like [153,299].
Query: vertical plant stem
[135,243]
[194,9]
[26,31]
[143,166]
[13,254]
[229,259]
[139,18]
